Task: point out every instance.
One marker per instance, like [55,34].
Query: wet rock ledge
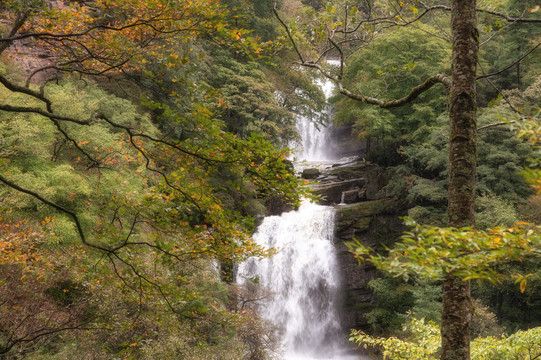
[365,212]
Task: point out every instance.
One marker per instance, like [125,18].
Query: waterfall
[315,139]
[302,277]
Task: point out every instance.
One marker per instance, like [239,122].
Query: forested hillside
[133,163]
[141,142]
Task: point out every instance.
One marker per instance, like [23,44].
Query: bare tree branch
[17,24]
[58,207]
[412,95]
[494,125]
[50,115]
[288,33]
[486,11]
[24,90]
[522,57]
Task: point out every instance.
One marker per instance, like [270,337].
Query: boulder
[348,171]
[311,173]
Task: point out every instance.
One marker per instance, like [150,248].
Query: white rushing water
[302,277]
[303,280]
[315,139]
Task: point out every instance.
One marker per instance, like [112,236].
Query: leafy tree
[250,105]
[393,64]
[342,22]
[127,190]
[424,343]
[500,188]
[394,299]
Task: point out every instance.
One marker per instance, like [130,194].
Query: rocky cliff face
[363,212]
[374,223]
[30,57]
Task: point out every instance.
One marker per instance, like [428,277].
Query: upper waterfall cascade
[315,138]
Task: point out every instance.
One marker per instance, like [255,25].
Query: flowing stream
[302,277]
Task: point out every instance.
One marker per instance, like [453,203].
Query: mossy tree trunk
[457,308]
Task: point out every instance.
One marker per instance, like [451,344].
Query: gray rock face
[351,196]
[373,223]
[367,215]
[29,57]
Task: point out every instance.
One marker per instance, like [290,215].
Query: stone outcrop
[310,173]
[374,223]
[331,193]
[30,57]
[364,212]
[358,180]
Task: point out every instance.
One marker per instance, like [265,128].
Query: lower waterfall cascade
[303,280]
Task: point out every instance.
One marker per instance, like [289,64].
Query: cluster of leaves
[149,209]
[31,274]
[117,35]
[434,252]
[19,243]
[395,298]
[250,105]
[423,342]
[500,186]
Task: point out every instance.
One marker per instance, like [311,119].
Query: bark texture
[455,319]
[463,107]
[456,312]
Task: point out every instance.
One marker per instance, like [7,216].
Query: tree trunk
[456,312]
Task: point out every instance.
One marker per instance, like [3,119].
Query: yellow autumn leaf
[523,285]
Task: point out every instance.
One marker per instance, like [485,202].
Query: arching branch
[288,33]
[502,123]
[486,11]
[50,115]
[337,80]
[522,57]
[58,207]
[412,95]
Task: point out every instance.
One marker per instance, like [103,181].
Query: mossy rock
[368,208]
[255,207]
[331,193]
[310,173]
[357,217]
[349,172]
